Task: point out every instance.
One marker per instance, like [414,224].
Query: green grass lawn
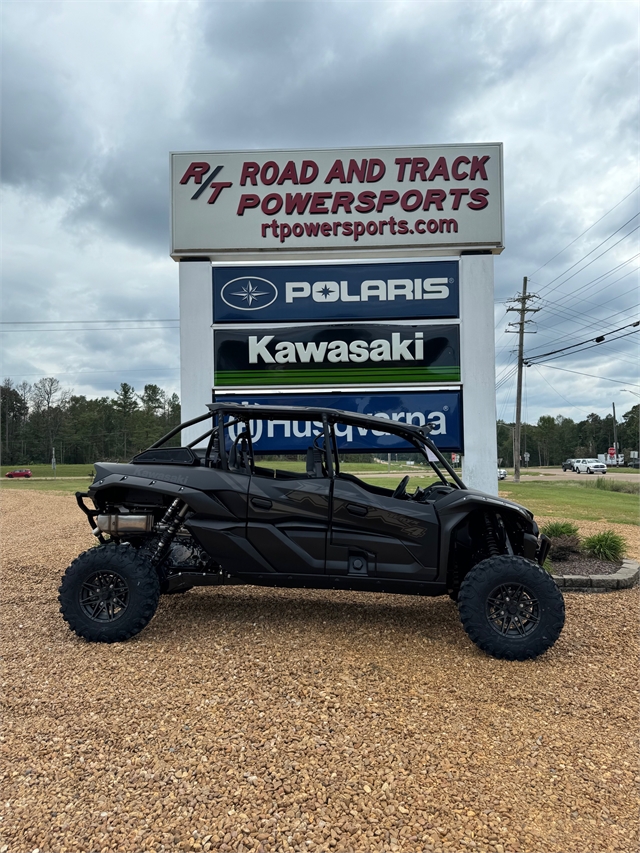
[569,500]
[85,470]
[346,466]
[59,486]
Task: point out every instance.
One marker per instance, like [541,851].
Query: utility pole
[615,433]
[522,310]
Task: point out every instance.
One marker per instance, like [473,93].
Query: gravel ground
[262,720]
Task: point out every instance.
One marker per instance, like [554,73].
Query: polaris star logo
[249,293]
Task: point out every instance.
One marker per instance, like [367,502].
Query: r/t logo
[197,171]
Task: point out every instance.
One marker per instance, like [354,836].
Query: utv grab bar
[90,513]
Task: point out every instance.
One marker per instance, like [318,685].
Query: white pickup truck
[589,466]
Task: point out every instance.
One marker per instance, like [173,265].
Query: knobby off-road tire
[511,608]
[109,593]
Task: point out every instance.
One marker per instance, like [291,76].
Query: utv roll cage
[216,455]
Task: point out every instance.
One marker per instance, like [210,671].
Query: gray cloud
[45,139]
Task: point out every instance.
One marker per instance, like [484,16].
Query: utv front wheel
[511,608]
[109,593]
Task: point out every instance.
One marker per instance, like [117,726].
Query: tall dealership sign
[349,277]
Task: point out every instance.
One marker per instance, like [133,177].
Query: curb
[626,577]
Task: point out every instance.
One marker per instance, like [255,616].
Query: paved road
[538,474]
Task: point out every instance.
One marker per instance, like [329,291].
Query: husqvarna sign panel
[443,409]
[349,199]
[336,292]
[335,355]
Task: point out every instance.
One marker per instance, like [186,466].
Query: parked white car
[502,474]
[589,466]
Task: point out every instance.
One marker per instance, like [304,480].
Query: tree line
[552,440]
[36,418]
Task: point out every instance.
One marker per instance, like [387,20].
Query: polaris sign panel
[443,409]
[358,199]
[337,355]
[409,290]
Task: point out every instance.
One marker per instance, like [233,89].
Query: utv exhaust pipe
[116,525]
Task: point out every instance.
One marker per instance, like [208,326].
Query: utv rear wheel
[511,608]
[109,593]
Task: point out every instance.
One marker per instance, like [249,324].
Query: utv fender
[457,506]
[196,500]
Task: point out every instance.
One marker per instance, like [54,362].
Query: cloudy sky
[95,95]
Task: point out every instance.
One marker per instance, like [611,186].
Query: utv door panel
[401,536]
[288,521]
[227,544]
[288,549]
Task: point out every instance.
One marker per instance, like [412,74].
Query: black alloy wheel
[109,593]
[511,607]
[513,610]
[104,596]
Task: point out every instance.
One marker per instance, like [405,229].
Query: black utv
[216,511]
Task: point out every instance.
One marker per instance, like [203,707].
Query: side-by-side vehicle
[217,512]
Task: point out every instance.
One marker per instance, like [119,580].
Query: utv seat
[315,466]
[238,457]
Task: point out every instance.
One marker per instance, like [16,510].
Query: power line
[598,340]
[566,316]
[585,231]
[508,364]
[592,261]
[89,329]
[103,320]
[553,388]
[597,344]
[635,216]
[93,372]
[595,281]
[507,378]
[591,375]
[572,314]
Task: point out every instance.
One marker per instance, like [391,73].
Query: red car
[19,472]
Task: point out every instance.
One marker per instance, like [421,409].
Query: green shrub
[562,547]
[607,545]
[560,528]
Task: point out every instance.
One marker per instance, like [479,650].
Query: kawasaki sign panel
[354,200]
[339,354]
[389,291]
[442,408]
